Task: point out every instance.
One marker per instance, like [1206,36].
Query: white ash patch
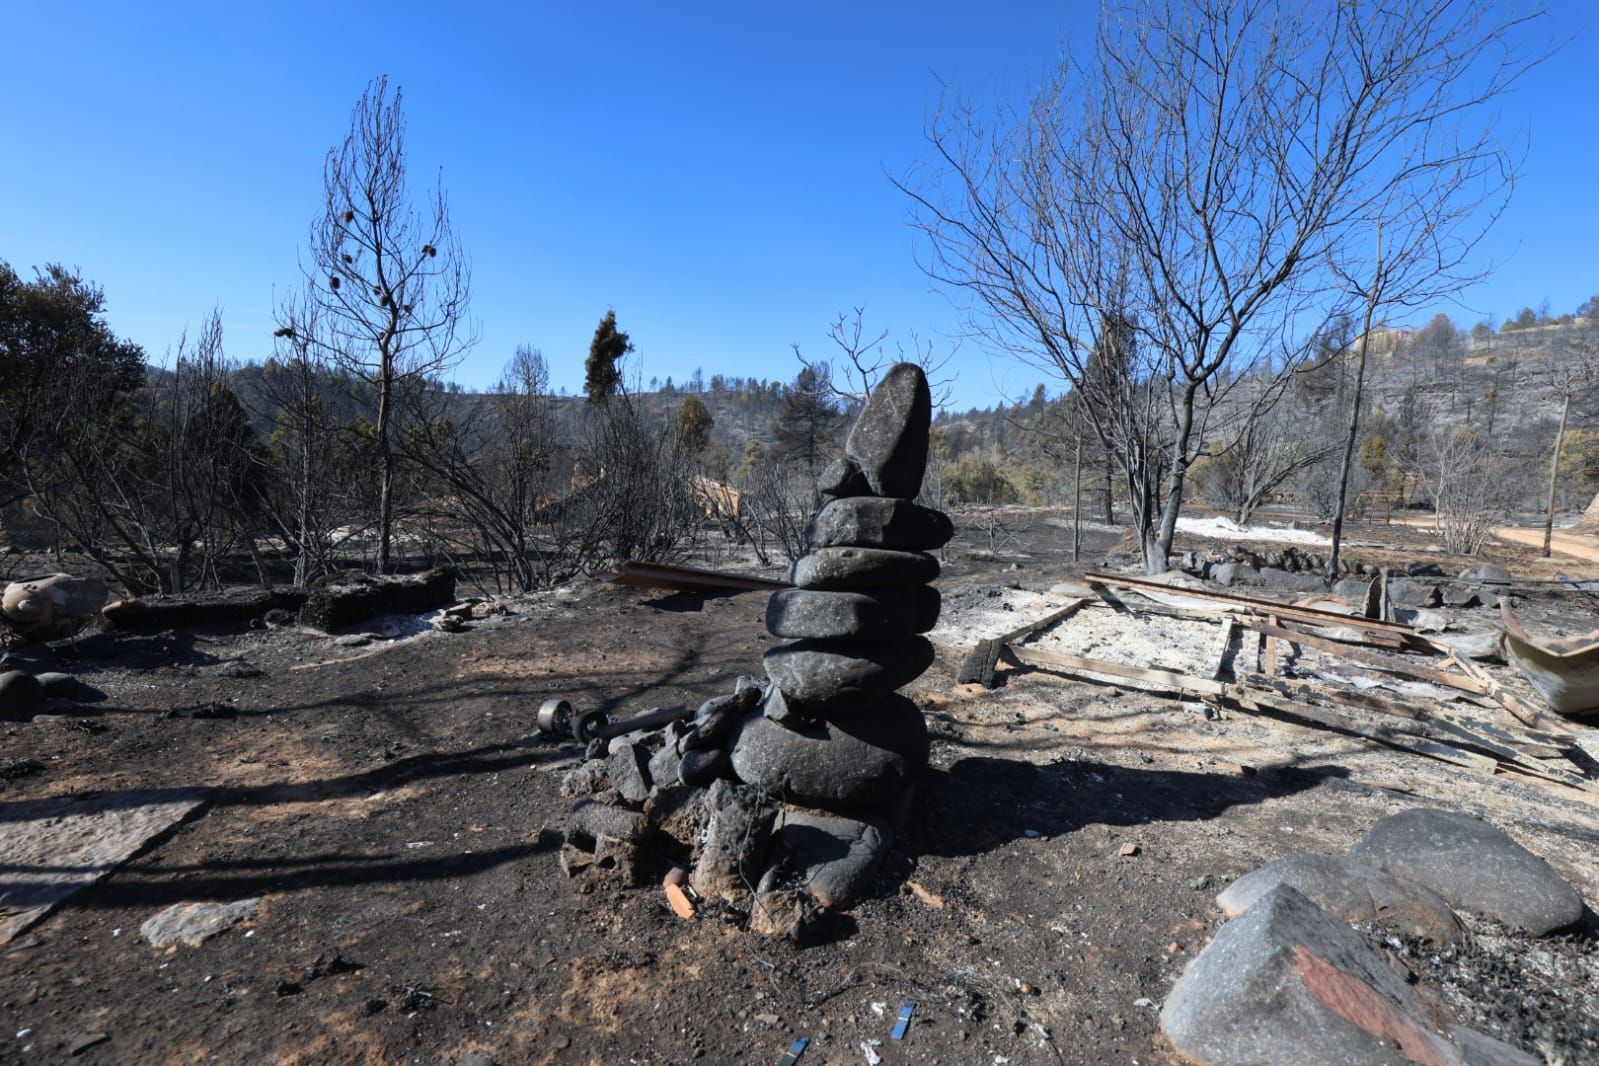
[982,612]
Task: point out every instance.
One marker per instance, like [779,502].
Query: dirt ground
[395,811]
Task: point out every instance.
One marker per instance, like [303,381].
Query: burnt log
[327,608]
[336,606]
[188,611]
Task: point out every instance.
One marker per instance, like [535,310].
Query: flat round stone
[1473,865]
[850,568]
[889,439]
[878,614]
[875,522]
[851,761]
[818,676]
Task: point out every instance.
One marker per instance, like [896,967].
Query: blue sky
[716,172]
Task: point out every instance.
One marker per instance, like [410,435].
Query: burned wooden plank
[1383,663]
[1168,680]
[1228,627]
[979,665]
[1254,605]
[687,578]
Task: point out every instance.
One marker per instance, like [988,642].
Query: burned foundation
[785,794]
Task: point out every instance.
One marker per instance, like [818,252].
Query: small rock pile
[1292,979]
[789,790]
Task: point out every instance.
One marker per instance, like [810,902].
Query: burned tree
[1179,195]
[391,283]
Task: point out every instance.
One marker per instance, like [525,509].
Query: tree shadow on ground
[688,602]
[156,883]
[981,803]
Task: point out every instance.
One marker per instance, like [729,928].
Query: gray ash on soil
[1540,994]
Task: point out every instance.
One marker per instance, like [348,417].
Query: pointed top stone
[889,439]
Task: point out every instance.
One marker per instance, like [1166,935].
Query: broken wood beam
[687,579]
[980,663]
[1252,604]
[1383,663]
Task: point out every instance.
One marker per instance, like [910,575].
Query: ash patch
[1540,994]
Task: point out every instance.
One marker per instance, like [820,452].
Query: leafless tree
[1569,378]
[295,390]
[860,358]
[392,283]
[492,469]
[1174,204]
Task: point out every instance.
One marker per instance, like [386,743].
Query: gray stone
[820,676]
[1473,865]
[1488,572]
[665,764]
[855,760]
[1289,983]
[1479,645]
[889,439]
[20,695]
[1478,1049]
[1455,596]
[595,820]
[195,923]
[1235,574]
[738,833]
[878,614]
[778,708]
[843,477]
[1288,579]
[1404,593]
[57,684]
[628,768]
[1488,599]
[473,1058]
[850,568]
[703,766]
[1351,891]
[1351,589]
[874,522]
[835,858]
[716,717]
[1422,619]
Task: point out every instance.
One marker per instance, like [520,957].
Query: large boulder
[1351,891]
[51,607]
[1289,983]
[877,614]
[889,439]
[851,568]
[1473,865]
[820,676]
[843,762]
[875,522]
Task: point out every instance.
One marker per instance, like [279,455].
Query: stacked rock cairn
[799,781]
